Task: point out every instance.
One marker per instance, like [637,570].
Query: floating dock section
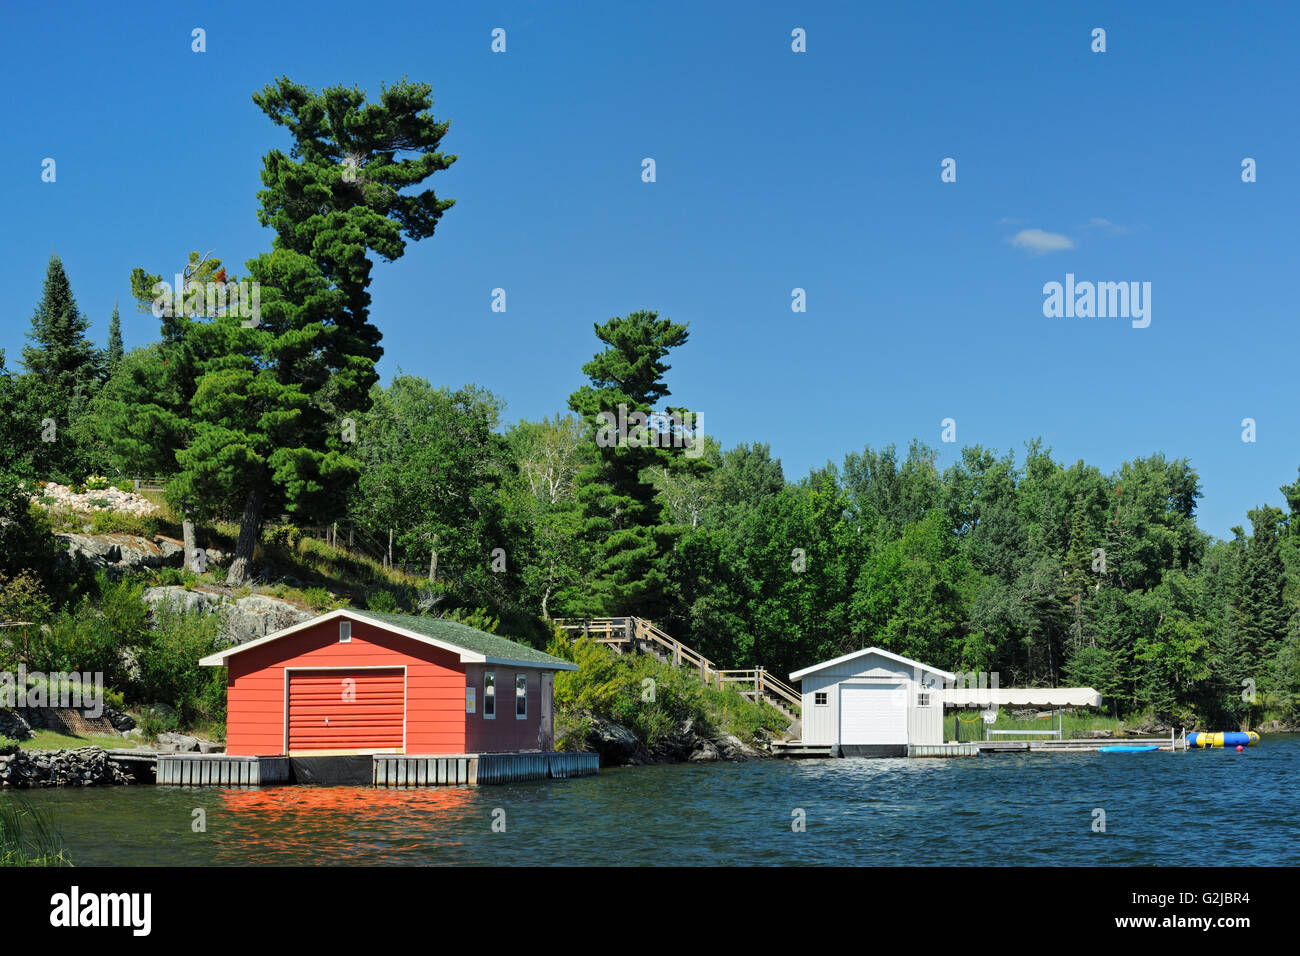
[386,770]
[981,748]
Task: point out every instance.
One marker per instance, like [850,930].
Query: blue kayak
[1122,749]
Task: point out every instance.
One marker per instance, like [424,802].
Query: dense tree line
[1041,571]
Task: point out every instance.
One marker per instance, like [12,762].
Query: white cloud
[1039,242]
[1098,223]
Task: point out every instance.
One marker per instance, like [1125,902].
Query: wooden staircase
[636,635]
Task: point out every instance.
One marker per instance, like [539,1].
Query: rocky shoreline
[620,747]
[84,767]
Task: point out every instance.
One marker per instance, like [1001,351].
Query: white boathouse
[872,703]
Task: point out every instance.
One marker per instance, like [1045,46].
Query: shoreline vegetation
[28,836]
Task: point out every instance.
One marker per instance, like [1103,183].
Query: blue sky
[775,170]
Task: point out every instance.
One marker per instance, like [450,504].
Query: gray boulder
[246,618]
[177,743]
[120,720]
[731,747]
[705,751]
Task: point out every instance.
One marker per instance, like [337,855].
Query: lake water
[1210,807]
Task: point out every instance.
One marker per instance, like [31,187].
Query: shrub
[154,722]
[615,687]
[318,599]
[107,521]
[97,483]
[474,617]
[77,640]
[382,600]
[167,577]
[169,668]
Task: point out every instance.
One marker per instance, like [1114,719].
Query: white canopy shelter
[1020,697]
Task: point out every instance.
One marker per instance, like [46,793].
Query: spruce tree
[113,355]
[1262,605]
[64,370]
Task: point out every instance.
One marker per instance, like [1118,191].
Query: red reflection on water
[322,824]
[267,802]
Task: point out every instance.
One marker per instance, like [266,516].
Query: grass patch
[28,836]
[53,740]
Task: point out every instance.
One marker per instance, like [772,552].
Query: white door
[873,714]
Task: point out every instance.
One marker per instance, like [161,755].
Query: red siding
[505,733]
[435,686]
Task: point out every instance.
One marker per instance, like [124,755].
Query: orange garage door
[346,710]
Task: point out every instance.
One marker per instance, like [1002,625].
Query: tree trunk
[241,568]
[433,564]
[187,533]
[390,548]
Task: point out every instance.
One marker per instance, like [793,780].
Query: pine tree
[269,409]
[621,509]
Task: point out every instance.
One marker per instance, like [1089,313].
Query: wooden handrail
[635,630]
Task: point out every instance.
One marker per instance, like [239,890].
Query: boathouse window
[819,697]
[521,696]
[922,700]
[345,632]
[489,695]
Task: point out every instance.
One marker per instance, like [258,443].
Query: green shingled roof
[491,646]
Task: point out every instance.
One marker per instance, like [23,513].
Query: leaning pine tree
[269,409]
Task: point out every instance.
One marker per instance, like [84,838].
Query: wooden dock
[797,748]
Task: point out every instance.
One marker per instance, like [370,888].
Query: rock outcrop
[246,618]
[618,746]
[122,553]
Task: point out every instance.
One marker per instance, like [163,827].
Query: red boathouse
[366,682]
